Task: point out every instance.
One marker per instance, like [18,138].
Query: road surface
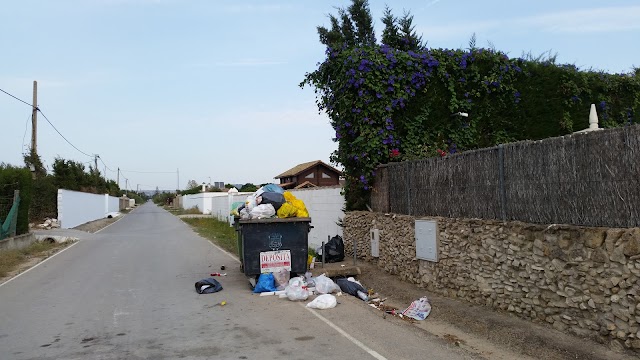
[128,292]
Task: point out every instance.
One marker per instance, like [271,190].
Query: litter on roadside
[208,286]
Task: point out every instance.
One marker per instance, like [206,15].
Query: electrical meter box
[427,243]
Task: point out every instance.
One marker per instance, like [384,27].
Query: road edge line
[357,342]
[40,263]
[121,217]
[218,247]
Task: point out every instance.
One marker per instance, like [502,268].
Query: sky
[208,90]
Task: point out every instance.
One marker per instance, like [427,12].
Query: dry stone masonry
[580,280]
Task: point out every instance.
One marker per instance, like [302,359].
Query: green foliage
[352,27]
[163,198]
[391,103]
[45,203]
[16,178]
[191,191]
[139,198]
[71,175]
[218,232]
[248,187]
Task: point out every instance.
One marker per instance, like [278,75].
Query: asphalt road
[127,292]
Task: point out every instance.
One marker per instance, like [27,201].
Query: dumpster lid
[275,220]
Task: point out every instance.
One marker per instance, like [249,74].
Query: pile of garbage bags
[270,201]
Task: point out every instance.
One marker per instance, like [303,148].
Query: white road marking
[40,263]
[345,334]
[327,321]
[120,218]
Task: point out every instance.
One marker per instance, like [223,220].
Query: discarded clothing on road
[208,286]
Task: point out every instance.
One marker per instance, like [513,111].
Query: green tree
[248,187]
[192,184]
[391,32]
[352,27]
[409,39]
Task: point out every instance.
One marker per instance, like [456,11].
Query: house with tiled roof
[310,174]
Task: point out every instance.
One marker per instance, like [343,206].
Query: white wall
[76,208]
[113,204]
[325,206]
[201,200]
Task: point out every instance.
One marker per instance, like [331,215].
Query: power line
[26,126]
[75,147]
[105,165]
[17,98]
[59,133]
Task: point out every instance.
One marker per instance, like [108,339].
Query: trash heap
[268,202]
[301,288]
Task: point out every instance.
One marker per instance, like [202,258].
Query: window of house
[310,176]
[325,176]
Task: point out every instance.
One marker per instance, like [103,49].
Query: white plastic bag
[281,278]
[325,301]
[263,211]
[250,202]
[297,289]
[419,309]
[325,285]
[244,214]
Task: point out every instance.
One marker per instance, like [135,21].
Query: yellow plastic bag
[287,210]
[297,203]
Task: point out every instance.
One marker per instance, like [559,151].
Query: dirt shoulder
[490,333]
[97,225]
[32,260]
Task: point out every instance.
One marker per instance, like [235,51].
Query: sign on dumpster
[272,261]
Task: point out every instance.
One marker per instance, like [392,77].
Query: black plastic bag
[334,250]
[350,287]
[273,198]
[208,286]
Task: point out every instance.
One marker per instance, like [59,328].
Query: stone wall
[577,279]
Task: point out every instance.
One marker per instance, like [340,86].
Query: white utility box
[427,243]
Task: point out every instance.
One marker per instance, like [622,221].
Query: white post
[593,118]
[593,121]
[106,204]
[230,194]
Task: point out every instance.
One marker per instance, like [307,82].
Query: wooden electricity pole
[34,120]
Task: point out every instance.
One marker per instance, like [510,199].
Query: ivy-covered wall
[390,105]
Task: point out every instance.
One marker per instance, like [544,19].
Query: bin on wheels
[264,244]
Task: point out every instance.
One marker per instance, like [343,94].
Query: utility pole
[118,177]
[34,120]
[178,172]
[95,159]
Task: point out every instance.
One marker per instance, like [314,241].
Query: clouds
[584,21]
[580,21]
